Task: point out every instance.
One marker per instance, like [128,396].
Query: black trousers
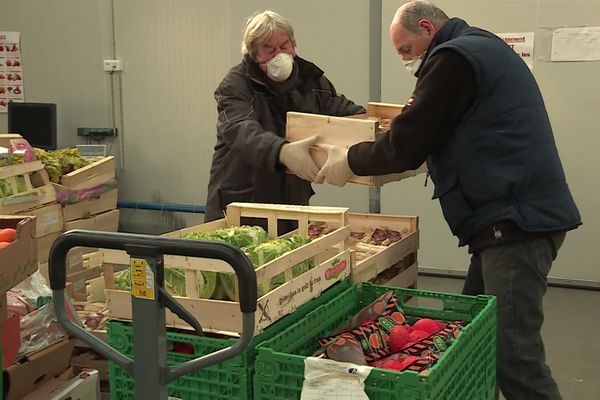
[516,274]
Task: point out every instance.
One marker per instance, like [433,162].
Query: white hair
[260,26]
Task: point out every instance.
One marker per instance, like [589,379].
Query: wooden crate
[107,221]
[48,219]
[225,316]
[86,208]
[91,175]
[38,189]
[44,243]
[5,138]
[401,254]
[347,131]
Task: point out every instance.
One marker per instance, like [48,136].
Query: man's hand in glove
[296,157]
[336,170]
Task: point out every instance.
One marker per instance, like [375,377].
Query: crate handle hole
[182,348]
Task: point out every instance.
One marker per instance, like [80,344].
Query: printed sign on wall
[11,69]
[522,44]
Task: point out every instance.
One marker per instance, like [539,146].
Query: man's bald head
[409,15]
[414,26]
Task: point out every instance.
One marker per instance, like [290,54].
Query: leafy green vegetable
[239,236]
[253,241]
[21,185]
[5,188]
[263,253]
[175,282]
[60,162]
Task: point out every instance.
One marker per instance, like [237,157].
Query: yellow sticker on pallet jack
[142,279]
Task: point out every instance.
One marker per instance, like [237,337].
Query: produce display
[60,162]
[252,240]
[365,242]
[379,335]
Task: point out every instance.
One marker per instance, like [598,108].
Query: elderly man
[251,155]
[477,116]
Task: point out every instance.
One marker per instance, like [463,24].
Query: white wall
[176,52]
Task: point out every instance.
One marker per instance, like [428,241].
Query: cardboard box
[20,258]
[84,386]
[3,310]
[345,132]
[83,209]
[33,370]
[108,221]
[46,388]
[49,219]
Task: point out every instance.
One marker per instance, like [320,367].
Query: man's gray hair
[260,26]
[418,10]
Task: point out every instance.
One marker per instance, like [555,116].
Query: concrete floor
[571,334]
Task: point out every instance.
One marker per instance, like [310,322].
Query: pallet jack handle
[152,246]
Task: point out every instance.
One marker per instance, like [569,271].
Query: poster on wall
[521,43]
[576,44]
[11,69]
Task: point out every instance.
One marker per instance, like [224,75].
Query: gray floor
[571,335]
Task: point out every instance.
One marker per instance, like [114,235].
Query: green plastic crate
[467,370]
[229,380]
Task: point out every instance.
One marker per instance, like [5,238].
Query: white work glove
[296,157]
[336,170]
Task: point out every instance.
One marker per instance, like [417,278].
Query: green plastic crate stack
[229,380]
[466,371]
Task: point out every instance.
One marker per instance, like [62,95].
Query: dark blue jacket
[500,162]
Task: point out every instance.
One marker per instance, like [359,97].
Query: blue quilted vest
[500,162]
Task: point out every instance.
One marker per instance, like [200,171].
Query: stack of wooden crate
[98,212]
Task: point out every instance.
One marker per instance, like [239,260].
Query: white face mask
[279,68]
[413,65]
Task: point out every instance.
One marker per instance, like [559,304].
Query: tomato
[7,234]
[4,244]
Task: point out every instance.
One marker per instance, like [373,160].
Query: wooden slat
[20,169]
[383,110]
[91,175]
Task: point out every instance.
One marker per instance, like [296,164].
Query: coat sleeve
[439,101]
[332,103]
[239,127]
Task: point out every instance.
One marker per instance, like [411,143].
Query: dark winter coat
[251,130]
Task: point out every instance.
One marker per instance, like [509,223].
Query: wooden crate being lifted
[225,316]
[347,131]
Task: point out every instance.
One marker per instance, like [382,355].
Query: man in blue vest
[478,118]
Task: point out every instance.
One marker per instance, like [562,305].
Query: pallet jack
[149,367]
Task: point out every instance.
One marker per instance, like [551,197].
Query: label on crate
[142,279]
[329,379]
[51,218]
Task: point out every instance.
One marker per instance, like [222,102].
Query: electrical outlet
[112,65]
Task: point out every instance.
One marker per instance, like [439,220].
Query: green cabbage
[253,241]
[175,282]
[238,236]
[263,253]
